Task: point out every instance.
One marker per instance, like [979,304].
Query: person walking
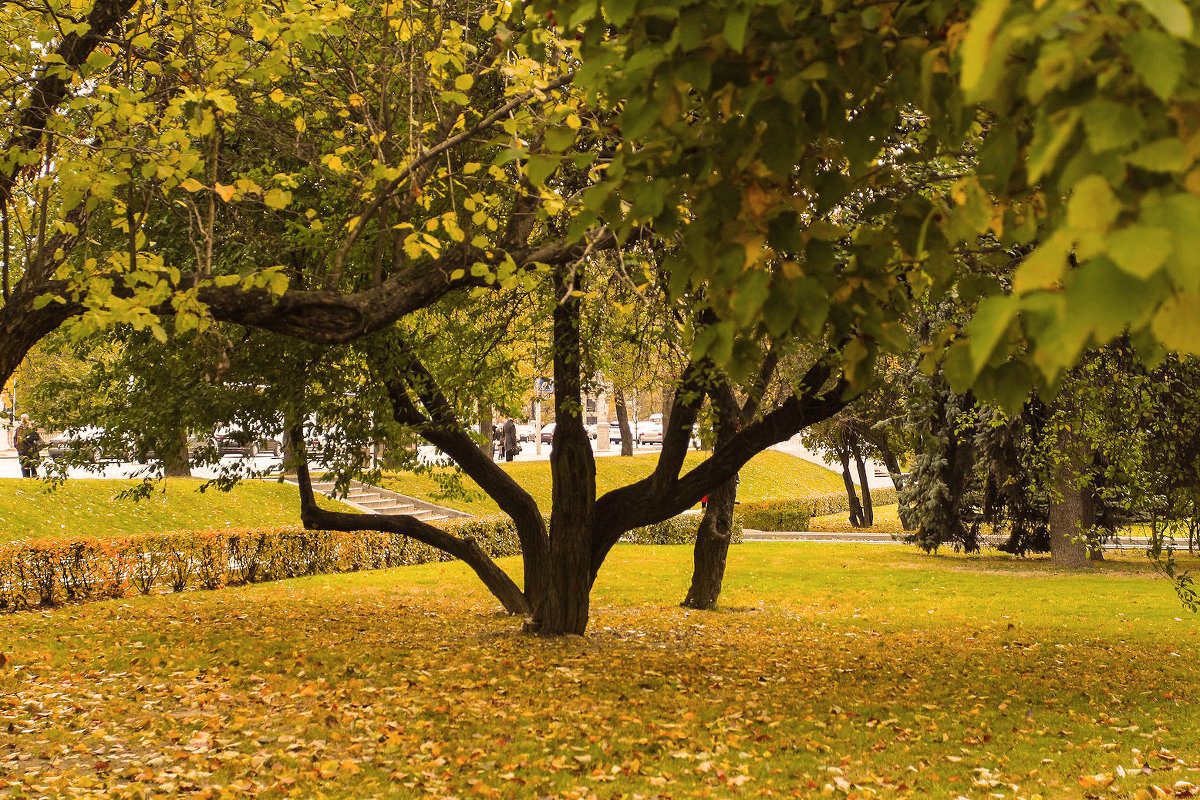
[28,446]
[510,446]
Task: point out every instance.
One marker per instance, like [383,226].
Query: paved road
[10,469]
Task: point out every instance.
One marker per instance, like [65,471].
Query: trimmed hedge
[677,530]
[49,571]
[795,515]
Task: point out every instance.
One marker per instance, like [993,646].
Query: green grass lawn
[770,475]
[91,508]
[854,670]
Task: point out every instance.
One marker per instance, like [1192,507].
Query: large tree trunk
[623,421]
[1072,508]
[562,606]
[176,460]
[712,548]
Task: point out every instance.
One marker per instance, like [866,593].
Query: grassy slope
[770,475]
[834,665]
[90,508]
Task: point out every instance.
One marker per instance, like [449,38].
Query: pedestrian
[510,445]
[28,445]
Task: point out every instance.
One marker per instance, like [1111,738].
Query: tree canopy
[792,176]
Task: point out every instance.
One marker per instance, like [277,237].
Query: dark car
[237,441]
[85,443]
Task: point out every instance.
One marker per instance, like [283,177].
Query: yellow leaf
[191,185]
[277,95]
[300,124]
[224,192]
[277,198]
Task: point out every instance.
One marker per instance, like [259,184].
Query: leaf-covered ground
[770,475]
[88,507]
[854,670]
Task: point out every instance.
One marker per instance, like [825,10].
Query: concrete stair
[375,500]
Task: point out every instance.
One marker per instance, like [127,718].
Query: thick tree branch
[330,317]
[316,518]
[633,506]
[441,429]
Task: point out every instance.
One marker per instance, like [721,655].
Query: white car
[649,432]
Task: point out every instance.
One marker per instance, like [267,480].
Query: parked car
[525,432]
[238,441]
[649,432]
[548,433]
[86,441]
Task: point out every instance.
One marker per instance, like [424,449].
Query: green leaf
[1050,136]
[748,298]
[988,327]
[1173,15]
[619,11]
[1157,58]
[957,367]
[1006,386]
[559,138]
[1163,155]
[1177,325]
[1140,250]
[1045,266]
[1111,126]
[1092,206]
[539,167]
[1180,214]
[735,28]
[1103,300]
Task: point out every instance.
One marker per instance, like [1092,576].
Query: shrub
[677,530]
[51,571]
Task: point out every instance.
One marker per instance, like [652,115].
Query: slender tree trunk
[716,526]
[893,467]
[712,548]
[1072,507]
[623,421]
[856,511]
[868,512]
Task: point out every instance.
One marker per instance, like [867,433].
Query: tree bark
[495,579]
[856,510]
[1072,507]
[868,511]
[712,548]
[623,421]
[176,460]
[564,605]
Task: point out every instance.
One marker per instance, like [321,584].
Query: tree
[737,135]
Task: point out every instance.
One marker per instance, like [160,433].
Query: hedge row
[50,571]
[677,530]
[795,515]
